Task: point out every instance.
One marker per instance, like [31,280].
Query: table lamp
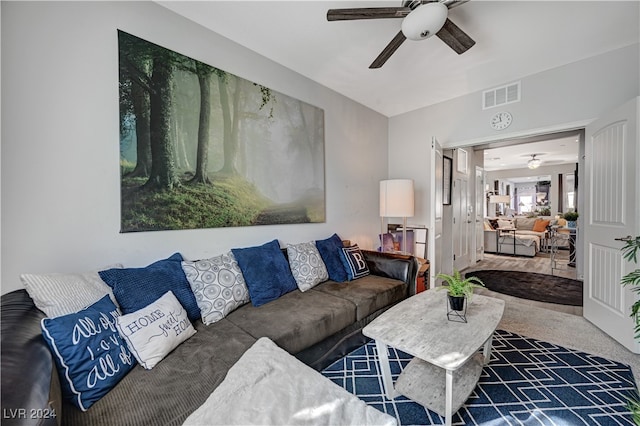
[396,200]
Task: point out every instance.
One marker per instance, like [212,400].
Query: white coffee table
[447,362]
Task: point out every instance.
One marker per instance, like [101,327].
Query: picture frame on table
[447,164]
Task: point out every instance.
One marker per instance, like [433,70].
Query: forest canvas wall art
[203,148]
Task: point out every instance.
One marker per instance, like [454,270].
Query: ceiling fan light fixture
[424,21]
[534,163]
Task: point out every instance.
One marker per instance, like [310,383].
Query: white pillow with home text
[153,332]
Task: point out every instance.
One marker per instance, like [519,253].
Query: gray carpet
[570,331]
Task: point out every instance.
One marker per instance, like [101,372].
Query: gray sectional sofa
[317,326]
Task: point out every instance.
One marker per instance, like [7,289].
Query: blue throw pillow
[136,288]
[90,355]
[266,272]
[354,262]
[330,252]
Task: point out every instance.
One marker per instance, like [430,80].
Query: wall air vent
[502,95]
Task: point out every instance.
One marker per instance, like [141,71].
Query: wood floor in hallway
[540,263]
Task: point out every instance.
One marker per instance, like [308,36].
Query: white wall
[60,141]
[553,100]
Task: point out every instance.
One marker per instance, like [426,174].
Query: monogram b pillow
[354,262]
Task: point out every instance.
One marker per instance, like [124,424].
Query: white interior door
[479,214]
[461,224]
[611,210]
[436,254]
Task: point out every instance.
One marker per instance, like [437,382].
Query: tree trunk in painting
[143,148]
[229,146]
[163,176]
[204,78]
[234,143]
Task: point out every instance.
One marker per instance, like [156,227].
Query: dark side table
[422,283]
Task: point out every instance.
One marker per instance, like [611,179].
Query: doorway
[550,186]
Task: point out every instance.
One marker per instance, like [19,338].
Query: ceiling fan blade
[388,51]
[367,13]
[455,38]
[453,3]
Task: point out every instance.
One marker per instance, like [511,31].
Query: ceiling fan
[421,19]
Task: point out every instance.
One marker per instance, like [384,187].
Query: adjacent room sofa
[530,235]
[318,326]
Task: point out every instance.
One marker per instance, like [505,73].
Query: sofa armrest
[490,243]
[392,265]
[31,393]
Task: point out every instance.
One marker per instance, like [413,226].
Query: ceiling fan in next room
[421,19]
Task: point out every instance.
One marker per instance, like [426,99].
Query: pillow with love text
[90,355]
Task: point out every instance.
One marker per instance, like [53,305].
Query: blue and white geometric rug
[527,382]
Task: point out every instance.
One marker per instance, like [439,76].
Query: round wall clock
[501,120]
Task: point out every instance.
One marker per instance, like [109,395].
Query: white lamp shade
[495,199]
[396,198]
[424,21]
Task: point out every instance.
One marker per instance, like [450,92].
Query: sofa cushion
[218,285]
[152,332]
[306,264]
[175,387]
[136,288]
[296,320]
[525,223]
[330,251]
[90,355]
[368,294]
[266,272]
[354,262]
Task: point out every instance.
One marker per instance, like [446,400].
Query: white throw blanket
[267,386]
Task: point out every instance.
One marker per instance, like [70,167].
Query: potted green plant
[459,289]
[629,252]
[571,218]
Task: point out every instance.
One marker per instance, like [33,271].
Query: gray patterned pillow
[218,285]
[306,265]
